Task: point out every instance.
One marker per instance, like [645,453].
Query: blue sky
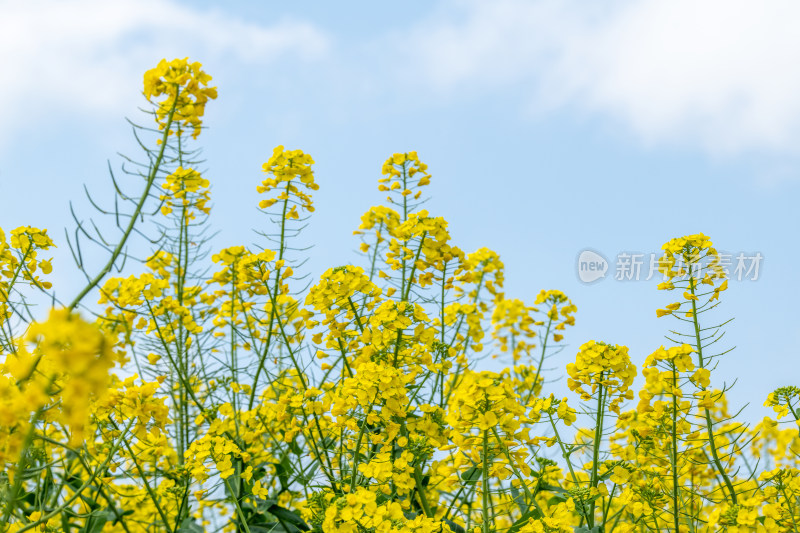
[548,128]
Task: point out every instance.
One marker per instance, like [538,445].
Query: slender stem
[790,506]
[275,288]
[423,499]
[598,435]
[5,297]
[304,385]
[485,480]
[148,488]
[405,188]
[563,450]
[358,318]
[11,504]
[709,423]
[541,361]
[239,512]
[357,449]
[375,251]
[267,343]
[674,455]
[514,469]
[139,206]
[414,267]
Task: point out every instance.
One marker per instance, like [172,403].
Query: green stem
[514,469]
[674,455]
[268,342]
[423,499]
[541,362]
[709,424]
[485,480]
[153,496]
[357,449]
[414,267]
[791,508]
[239,512]
[598,435]
[139,206]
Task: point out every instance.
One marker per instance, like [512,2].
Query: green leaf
[288,516]
[553,488]
[519,500]
[190,526]
[295,448]
[284,469]
[96,521]
[472,474]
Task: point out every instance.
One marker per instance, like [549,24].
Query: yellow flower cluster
[421,242]
[602,366]
[404,173]
[128,400]
[187,188]
[381,216]
[785,400]
[689,262]
[561,310]
[289,170]
[513,328]
[79,356]
[383,221]
[361,511]
[343,295]
[19,258]
[185,86]
[488,425]
[553,406]
[55,375]
[186,91]
[482,269]
[559,520]
[19,261]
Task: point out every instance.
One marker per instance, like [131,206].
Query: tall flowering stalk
[692,264]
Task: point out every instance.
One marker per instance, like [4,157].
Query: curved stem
[139,206]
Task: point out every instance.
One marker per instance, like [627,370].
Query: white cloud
[723,74]
[89,55]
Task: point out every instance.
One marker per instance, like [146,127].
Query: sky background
[548,128]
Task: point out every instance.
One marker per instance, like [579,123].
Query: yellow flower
[602,365]
[289,171]
[184,86]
